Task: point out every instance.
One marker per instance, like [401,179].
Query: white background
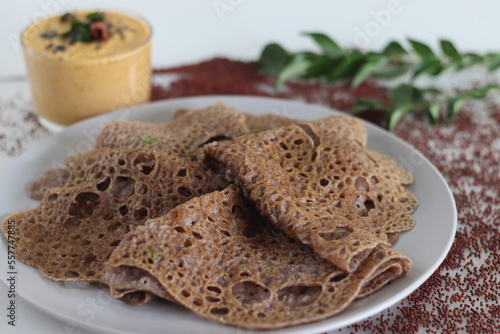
[187,31]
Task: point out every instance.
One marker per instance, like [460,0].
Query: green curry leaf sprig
[394,61]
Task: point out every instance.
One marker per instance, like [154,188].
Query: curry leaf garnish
[273,59]
[406,98]
[80,31]
[297,66]
[67,17]
[328,46]
[95,16]
[395,61]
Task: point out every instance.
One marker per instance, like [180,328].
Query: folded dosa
[318,183]
[216,256]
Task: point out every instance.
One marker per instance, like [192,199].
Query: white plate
[427,244]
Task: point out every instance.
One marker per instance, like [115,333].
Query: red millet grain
[222,76]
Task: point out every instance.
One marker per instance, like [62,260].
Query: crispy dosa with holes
[50,179]
[141,171]
[259,123]
[215,255]
[109,192]
[254,123]
[181,139]
[318,183]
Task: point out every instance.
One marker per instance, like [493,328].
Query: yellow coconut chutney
[71,81]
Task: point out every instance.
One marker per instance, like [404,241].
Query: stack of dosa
[109,191]
[305,229]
